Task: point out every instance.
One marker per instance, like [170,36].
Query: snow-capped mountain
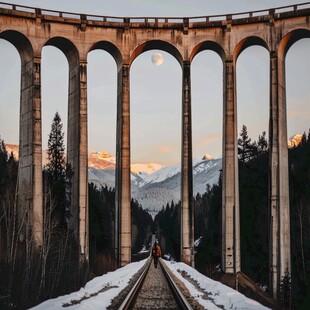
[294,140]
[163,186]
[160,175]
[153,190]
[153,185]
[145,169]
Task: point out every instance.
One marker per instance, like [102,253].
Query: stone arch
[21,43]
[247,42]
[289,39]
[67,47]
[160,45]
[208,45]
[109,48]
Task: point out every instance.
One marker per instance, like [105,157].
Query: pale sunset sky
[155,92]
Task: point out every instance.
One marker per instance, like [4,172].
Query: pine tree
[285,291]
[57,173]
[244,145]
[304,139]
[3,166]
[262,144]
[56,151]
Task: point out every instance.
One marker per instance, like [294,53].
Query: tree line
[254,220]
[28,277]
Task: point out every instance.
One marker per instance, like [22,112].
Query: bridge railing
[17,8]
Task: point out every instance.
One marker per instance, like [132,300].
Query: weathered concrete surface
[187,211]
[125,39]
[123,188]
[83,167]
[274,174]
[230,200]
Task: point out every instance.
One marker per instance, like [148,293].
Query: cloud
[298,113]
[209,139]
[165,149]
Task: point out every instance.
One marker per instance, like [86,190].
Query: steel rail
[178,295]
[134,292]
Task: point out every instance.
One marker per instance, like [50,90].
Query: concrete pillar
[280,249]
[83,165]
[284,210]
[123,185]
[30,189]
[230,200]
[77,155]
[187,212]
[274,175]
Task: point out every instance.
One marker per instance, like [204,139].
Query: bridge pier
[77,153]
[123,183]
[30,190]
[187,212]
[280,256]
[83,168]
[230,201]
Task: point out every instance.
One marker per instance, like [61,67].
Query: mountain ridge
[153,185]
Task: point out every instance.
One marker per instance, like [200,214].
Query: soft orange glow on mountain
[294,141]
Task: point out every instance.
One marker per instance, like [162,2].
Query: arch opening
[54,88]
[248,42]
[21,43]
[208,45]
[156,105]
[157,45]
[207,120]
[10,68]
[252,80]
[290,38]
[102,104]
[68,48]
[109,48]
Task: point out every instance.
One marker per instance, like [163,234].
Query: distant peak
[207,157]
[294,140]
[147,168]
[105,155]
[101,154]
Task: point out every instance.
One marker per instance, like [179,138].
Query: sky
[156,92]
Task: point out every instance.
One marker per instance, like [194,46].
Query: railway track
[155,289]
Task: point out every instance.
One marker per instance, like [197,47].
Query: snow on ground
[212,294]
[99,292]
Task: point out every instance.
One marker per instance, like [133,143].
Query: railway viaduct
[30,29]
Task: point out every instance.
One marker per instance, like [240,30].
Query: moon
[157,59]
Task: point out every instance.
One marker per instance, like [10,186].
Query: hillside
[155,190]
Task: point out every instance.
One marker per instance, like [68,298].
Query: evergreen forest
[254,221]
[27,277]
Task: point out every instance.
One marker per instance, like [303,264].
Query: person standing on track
[156,253]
